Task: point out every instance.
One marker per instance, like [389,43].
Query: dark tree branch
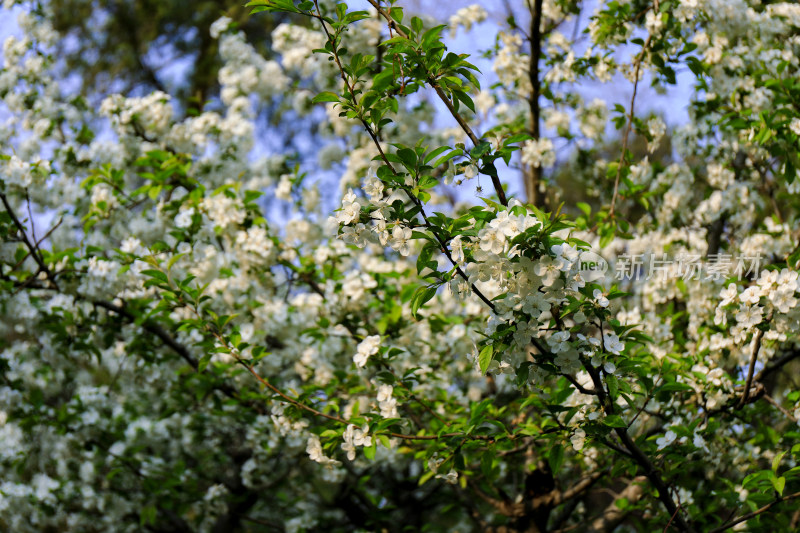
[498,186]
[751,368]
[533,174]
[748,516]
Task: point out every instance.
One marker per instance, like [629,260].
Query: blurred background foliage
[138,46]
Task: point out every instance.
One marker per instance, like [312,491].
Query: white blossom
[366,348]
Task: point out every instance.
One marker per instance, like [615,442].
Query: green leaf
[325,97]
[615,421]
[432,37]
[779,483]
[485,357]
[613,386]
[272,5]
[674,387]
[556,458]
[174,259]
[416,24]
[369,451]
[421,297]
[434,153]
[607,232]
[752,480]
[464,99]
[425,477]
[148,515]
[408,157]
[203,362]
[776,462]
[156,274]
[482,148]
[445,158]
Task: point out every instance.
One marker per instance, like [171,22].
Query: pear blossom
[451,477]
[315,453]
[466,17]
[457,249]
[351,209]
[548,269]
[366,348]
[491,240]
[387,404]
[728,295]
[668,438]
[399,240]
[188,286]
[612,343]
[600,298]
[749,315]
[539,153]
[578,439]
[470,171]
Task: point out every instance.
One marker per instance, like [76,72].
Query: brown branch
[28,254]
[151,327]
[533,174]
[777,365]
[750,370]
[33,249]
[274,525]
[165,337]
[127,19]
[647,398]
[779,407]
[654,476]
[637,455]
[309,279]
[30,215]
[546,500]
[579,488]
[148,325]
[300,405]
[714,238]
[612,516]
[335,418]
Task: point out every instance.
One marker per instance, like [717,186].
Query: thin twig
[30,215]
[748,516]
[442,243]
[297,403]
[37,243]
[638,63]
[32,248]
[498,186]
[780,408]
[751,369]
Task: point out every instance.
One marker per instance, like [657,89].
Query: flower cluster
[190,326]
